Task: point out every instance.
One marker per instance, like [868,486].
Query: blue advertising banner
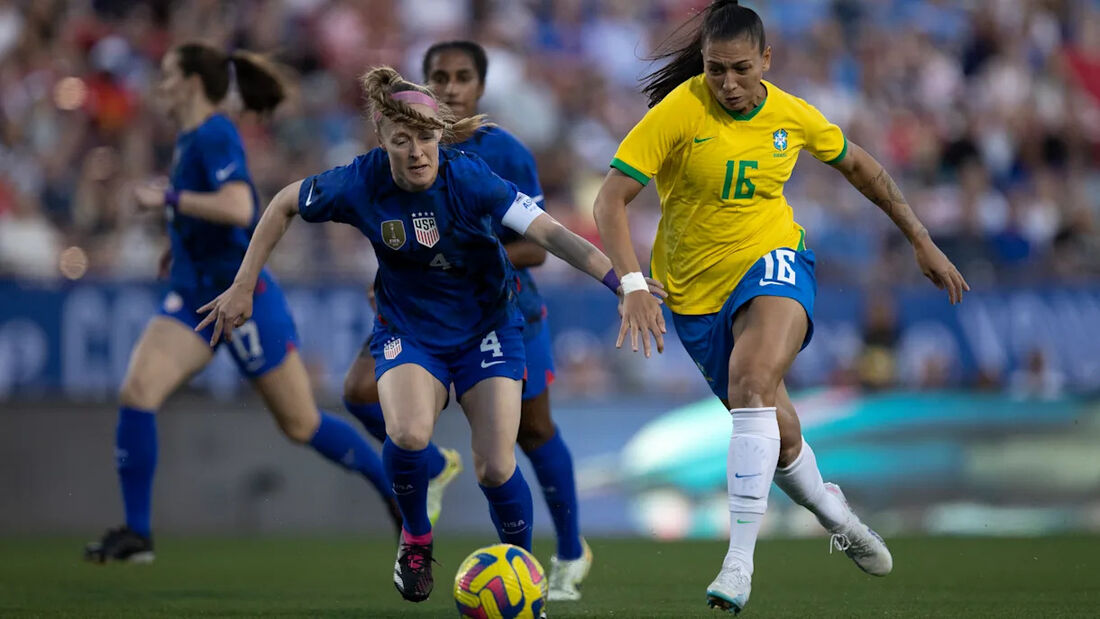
[75,338]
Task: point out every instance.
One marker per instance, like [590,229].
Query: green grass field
[279,577]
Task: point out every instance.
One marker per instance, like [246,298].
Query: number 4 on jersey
[440,261]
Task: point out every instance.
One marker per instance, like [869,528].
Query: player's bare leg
[411,401]
[536,428]
[361,399]
[798,476]
[768,334]
[166,356]
[492,407]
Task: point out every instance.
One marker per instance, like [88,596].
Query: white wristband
[633,282]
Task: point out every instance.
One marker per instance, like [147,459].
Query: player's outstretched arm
[868,176]
[233,307]
[641,313]
[231,205]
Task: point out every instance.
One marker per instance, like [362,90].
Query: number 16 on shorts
[779,268]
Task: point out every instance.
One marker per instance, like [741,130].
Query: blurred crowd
[987,113]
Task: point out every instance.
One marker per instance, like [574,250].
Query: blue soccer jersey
[511,160]
[444,280]
[206,255]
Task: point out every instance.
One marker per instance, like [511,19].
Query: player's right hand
[227,311]
[642,315]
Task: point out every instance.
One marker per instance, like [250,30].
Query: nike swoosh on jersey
[701,140]
[309,197]
[769,283]
[485,365]
[224,173]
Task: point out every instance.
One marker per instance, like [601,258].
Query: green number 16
[745,188]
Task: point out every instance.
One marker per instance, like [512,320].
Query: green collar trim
[747,115]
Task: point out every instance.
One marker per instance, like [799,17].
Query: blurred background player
[456,71]
[722,143]
[212,207]
[444,276]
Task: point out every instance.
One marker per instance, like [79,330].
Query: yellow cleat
[440,482]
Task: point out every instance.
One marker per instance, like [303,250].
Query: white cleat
[862,545]
[439,483]
[730,590]
[566,576]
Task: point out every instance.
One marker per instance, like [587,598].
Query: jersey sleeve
[523,173]
[223,159]
[824,140]
[486,193]
[324,196]
[660,132]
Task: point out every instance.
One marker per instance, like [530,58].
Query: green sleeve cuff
[843,151]
[626,168]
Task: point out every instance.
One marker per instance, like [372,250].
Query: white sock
[802,482]
[750,466]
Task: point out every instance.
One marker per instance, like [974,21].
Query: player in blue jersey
[212,208]
[455,71]
[446,298]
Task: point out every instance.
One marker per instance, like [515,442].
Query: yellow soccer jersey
[720,179]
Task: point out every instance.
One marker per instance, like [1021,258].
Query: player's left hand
[150,195]
[936,267]
[227,311]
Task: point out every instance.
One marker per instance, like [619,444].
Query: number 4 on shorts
[491,344]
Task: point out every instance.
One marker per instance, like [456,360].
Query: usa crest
[427,233]
[392,349]
[779,139]
[393,233]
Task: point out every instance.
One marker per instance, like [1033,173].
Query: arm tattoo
[884,192]
[573,249]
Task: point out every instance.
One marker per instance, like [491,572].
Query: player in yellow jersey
[721,143]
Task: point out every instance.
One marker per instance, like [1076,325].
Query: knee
[534,433]
[138,392]
[753,387]
[410,438]
[300,428]
[360,388]
[495,469]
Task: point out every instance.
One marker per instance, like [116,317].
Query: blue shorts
[499,353]
[540,361]
[261,343]
[708,338]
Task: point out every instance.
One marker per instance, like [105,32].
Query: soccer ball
[500,581]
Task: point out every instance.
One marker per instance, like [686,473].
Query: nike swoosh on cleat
[739,521]
[485,365]
[701,140]
[740,476]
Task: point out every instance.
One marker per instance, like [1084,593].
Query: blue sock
[409,471]
[554,468]
[136,460]
[370,415]
[336,440]
[511,510]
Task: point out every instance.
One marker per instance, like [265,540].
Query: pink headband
[412,96]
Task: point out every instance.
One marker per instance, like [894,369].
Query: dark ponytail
[260,81]
[722,20]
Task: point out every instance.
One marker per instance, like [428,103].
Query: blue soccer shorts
[261,343]
[708,338]
[499,352]
[540,360]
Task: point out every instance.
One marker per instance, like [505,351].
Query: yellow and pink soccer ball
[500,581]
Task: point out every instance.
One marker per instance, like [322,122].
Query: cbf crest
[779,139]
[427,232]
[393,233]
